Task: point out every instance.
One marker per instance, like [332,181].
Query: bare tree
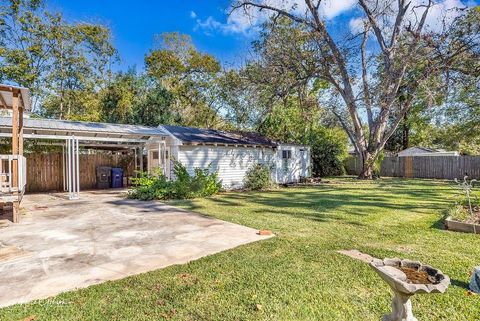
[382,69]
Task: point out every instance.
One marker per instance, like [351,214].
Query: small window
[155,155]
[286,154]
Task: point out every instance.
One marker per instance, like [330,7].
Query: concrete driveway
[60,245]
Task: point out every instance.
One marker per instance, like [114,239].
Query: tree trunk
[406,132]
[368,164]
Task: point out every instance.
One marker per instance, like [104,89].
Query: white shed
[229,153]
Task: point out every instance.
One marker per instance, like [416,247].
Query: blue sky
[134,24]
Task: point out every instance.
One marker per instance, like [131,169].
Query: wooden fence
[45,171]
[441,167]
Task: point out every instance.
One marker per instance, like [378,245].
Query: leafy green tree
[380,72]
[155,108]
[136,99]
[62,63]
[25,43]
[453,122]
[291,123]
[189,75]
[120,96]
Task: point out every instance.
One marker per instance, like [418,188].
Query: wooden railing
[13,174]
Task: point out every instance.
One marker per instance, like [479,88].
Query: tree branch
[366,89]
[246,4]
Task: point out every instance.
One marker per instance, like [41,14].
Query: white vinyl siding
[288,162]
[231,162]
[292,163]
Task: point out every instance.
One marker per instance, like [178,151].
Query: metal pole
[162,157]
[160,154]
[69,167]
[136,161]
[78,170]
[141,158]
[63,169]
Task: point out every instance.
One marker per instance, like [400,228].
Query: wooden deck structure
[13,166]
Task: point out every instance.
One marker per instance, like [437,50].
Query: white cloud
[235,24]
[247,20]
[445,11]
[332,8]
[357,25]
[193,14]
[442,12]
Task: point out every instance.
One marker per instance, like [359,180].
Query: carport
[74,135]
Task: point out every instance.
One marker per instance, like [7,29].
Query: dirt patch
[418,276]
[475,217]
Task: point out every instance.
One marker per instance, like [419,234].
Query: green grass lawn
[297,275]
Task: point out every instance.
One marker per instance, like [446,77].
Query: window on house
[286,154]
[155,155]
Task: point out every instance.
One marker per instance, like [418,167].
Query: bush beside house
[185,186]
[258,177]
[328,150]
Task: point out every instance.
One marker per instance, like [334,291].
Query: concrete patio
[60,245]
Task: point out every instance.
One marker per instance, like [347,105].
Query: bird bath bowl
[407,278]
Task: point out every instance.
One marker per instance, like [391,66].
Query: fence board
[45,171]
[440,167]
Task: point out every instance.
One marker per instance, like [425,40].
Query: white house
[229,153]
[423,151]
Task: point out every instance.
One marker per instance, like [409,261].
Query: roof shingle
[212,136]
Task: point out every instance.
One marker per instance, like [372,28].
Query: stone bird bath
[407,278]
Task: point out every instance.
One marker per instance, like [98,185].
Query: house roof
[425,149]
[212,136]
[84,127]
[418,149]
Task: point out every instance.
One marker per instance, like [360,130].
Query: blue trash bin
[117,177]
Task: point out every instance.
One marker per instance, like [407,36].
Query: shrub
[157,186]
[258,177]
[328,151]
[377,166]
[150,186]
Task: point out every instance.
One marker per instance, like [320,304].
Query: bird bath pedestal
[407,278]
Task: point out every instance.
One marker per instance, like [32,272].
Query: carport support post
[141,158]
[64,169]
[78,169]
[162,153]
[73,168]
[136,161]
